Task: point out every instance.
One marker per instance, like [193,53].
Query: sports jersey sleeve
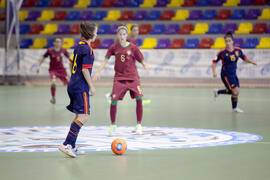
[86,58]
[47,53]
[215,61]
[138,54]
[110,52]
[242,55]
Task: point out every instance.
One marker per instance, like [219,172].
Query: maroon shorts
[62,75]
[120,87]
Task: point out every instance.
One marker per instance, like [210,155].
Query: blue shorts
[79,102]
[230,81]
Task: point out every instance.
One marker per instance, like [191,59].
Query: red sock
[53,89]
[113,111]
[139,111]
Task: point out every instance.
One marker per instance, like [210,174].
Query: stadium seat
[245,2]
[251,43]
[177,43]
[82,4]
[172,29]
[206,43]
[223,14]
[217,2]
[145,28]
[106,43]
[181,15]
[215,29]
[200,29]
[56,3]
[203,3]
[158,29]
[244,28]
[63,29]
[36,28]
[259,28]
[209,14]
[139,42]
[195,15]
[260,2]
[149,43]
[268,30]
[23,15]
[264,43]
[175,3]
[50,29]
[186,29]
[121,3]
[229,27]
[189,3]
[238,42]
[238,14]
[167,15]
[231,3]
[96,44]
[126,15]
[46,16]
[113,29]
[49,43]
[134,3]
[253,14]
[25,43]
[108,3]
[59,15]
[99,15]
[28,3]
[3,16]
[24,28]
[73,16]
[191,43]
[265,14]
[68,43]
[112,15]
[43,3]
[86,15]
[219,43]
[163,43]
[95,3]
[104,29]
[153,15]
[33,15]
[69,3]
[148,3]
[162,3]
[39,43]
[74,29]
[140,15]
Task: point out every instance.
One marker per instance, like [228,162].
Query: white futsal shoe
[215,93]
[67,150]
[138,129]
[237,110]
[78,151]
[112,129]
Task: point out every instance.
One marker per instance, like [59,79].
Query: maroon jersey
[132,40]
[56,58]
[125,59]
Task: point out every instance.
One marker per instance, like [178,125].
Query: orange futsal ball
[119,146]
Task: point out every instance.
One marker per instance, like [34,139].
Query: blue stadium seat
[191,43]
[153,15]
[135,3]
[238,14]
[49,43]
[100,15]
[215,29]
[96,3]
[25,43]
[251,43]
[209,14]
[104,29]
[139,41]
[203,3]
[158,29]
[73,16]
[43,3]
[24,28]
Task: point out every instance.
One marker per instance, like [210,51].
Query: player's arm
[88,79]
[145,66]
[214,62]
[100,68]
[40,62]
[250,61]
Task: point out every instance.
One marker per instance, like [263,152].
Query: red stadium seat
[190,3]
[29,3]
[167,15]
[206,43]
[126,15]
[259,28]
[36,28]
[260,2]
[108,3]
[74,29]
[186,29]
[177,43]
[96,43]
[3,16]
[145,28]
[224,14]
[56,3]
[59,15]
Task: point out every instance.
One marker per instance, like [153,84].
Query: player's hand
[254,63]
[38,69]
[92,91]
[214,75]
[96,76]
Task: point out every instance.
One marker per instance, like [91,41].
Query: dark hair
[87,30]
[133,26]
[229,34]
[123,25]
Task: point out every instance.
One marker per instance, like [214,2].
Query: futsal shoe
[53,101]
[112,129]
[67,150]
[146,101]
[138,129]
[78,151]
[215,93]
[108,97]
[237,110]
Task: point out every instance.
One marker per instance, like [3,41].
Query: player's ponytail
[229,34]
[87,30]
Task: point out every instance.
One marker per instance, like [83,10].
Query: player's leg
[235,94]
[53,86]
[227,91]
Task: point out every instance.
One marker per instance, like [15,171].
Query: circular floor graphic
[96,138]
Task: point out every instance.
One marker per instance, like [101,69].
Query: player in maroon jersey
[134,34]
[126,76]
[56,68]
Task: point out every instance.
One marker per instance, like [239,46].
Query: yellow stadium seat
[231,3]
[112,16]
[200,29]
[219,43]
[68,43]
[50,29]
[23,15]
[82,4]
[264,43]
[265,14]
[149,43]
[3,4]
[39,43]
[244,28]
[181,15]
[46,15]
[175,3]
[148,3]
